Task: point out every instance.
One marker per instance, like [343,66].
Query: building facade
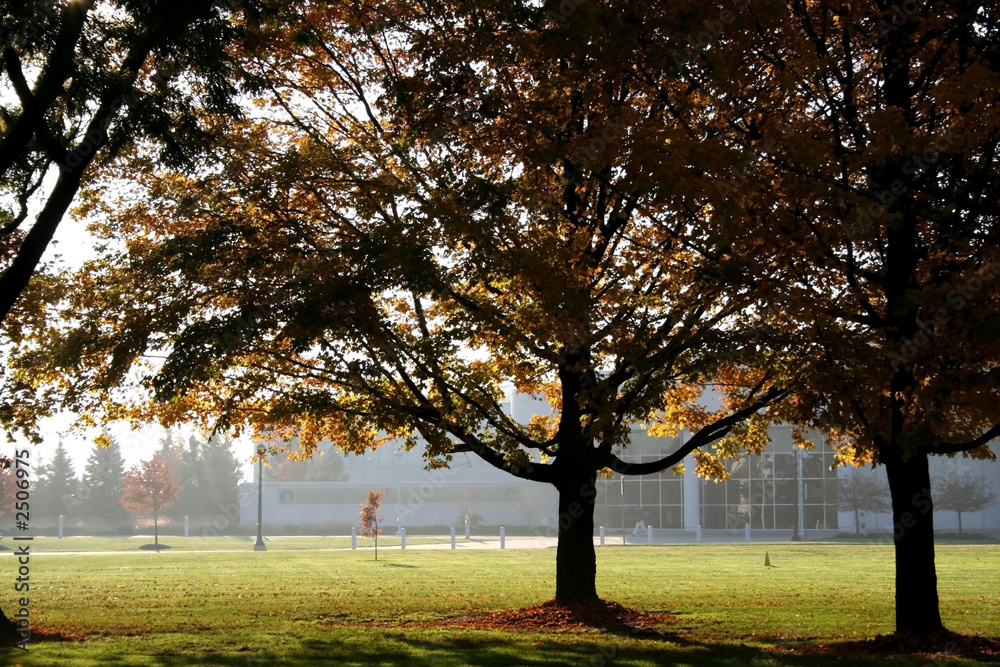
[762,492]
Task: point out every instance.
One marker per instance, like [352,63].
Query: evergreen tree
[102,488]
[173,452]
[57,493]
[222,472]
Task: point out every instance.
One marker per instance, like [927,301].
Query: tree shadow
[473,648]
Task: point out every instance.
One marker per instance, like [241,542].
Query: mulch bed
[555,616]
[549,616]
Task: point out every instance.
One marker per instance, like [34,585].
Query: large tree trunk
[8,630]
[913,535]
[857,521]
[959,523]
[576,560]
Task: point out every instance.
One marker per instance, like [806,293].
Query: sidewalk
[510,542]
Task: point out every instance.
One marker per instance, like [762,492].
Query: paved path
[493,542]
[476,543]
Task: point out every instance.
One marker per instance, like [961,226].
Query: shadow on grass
[350,647]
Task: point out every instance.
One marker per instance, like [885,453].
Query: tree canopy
[864,141]
[401,238]
[436,203]
[87,80]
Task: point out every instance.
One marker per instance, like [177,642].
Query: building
[762,491]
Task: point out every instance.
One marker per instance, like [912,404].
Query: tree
[81,84]
[866,143]
[150,487]
[222,475]
[963,492]
[858,492]
[58,486]
[383,263]
[8,486]
[370,517]
[102,482]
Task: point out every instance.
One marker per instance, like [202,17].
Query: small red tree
[150,487]
[8,486]
[370,517]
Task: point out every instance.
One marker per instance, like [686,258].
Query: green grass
[297,607]
[178,543]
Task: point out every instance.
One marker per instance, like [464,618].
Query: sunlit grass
[297,607]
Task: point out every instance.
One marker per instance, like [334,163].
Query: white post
[402,538]
[697,533]
[503,540]
[60,526]
[187,532]
[453,537]
[649,534]
[602,536]
[354,537]
[799,455]
[466,527]
[746,532]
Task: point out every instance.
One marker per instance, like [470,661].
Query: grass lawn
[298,607]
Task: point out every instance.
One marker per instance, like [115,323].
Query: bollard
[60,526]
[602,536]
[453,537]
[502,538]
[746,532]
[402,538]
[187,532]
[466,527]
[697,533]
[354,538]
[649,534]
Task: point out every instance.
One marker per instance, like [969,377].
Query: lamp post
[623,509]
[259,544]
[800,526]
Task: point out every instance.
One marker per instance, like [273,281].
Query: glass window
[650,491]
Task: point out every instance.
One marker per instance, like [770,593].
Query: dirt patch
[930,644]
